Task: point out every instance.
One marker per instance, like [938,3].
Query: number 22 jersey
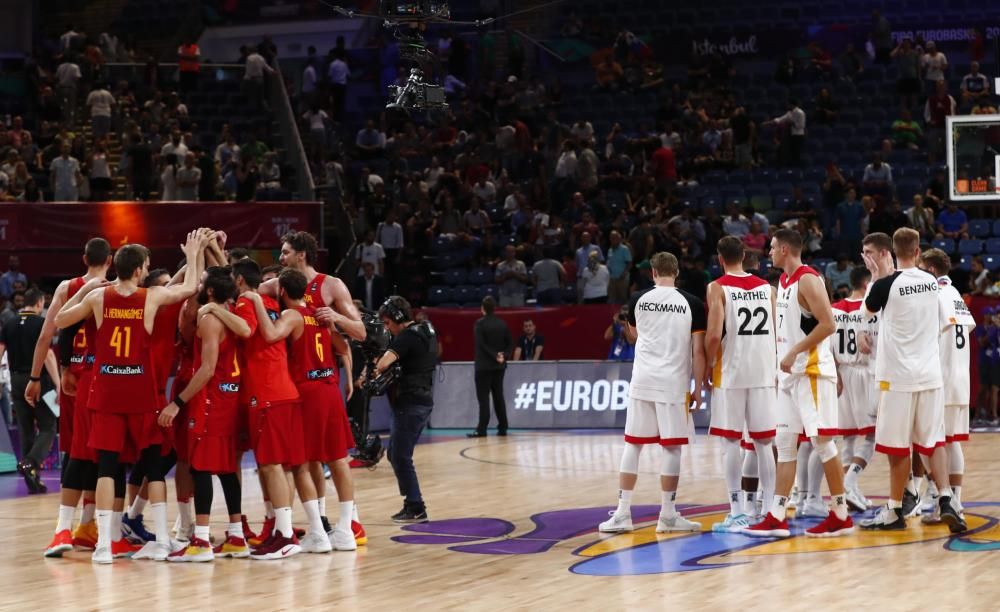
[748,341]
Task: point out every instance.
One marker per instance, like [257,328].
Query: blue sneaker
[732,524]
[135,531]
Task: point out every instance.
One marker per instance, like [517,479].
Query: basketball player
[908,370]
[123,397]
[313,369]
[334,307]
[807,387]
[75,477]
[212,399]
[957,324]
[740,336]
[857,408]
[668,327]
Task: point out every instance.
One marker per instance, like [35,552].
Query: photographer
[414,347]
[622,347]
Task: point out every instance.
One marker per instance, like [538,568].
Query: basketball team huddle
[254,368]
[887,369]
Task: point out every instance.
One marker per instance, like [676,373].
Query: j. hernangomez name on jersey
[914,289]
[741,296]
[656,307]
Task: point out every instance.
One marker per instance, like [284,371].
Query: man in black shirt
[493,344]
[530,345]
[18,340]
[140,170]
[414,346]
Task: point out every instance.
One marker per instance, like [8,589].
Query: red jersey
[213,410]
[314,292]
[124,380]
[310,358]
[78,359]
[265,366]
[164,342]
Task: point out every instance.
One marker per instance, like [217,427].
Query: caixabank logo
[644,551]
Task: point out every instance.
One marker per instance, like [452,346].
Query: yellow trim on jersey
[717,369]
[814,387]
[883,385]
[812,365]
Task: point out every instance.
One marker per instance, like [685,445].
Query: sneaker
[32,477]
[911,505]
[410,514]
[795,498]
[343,539]
[122,549]
[264,535]
[770,527]
[248,533]
[61,542]
[85,535]
[855,500]
[327,527]
[298,532]
[198,551]
[315,543]
[933,517]
[102,556]
[950,517]
[676,523]
[359,533]
[233,547]
[732,524]
[278,547]
[326,472]
[155,551]
[813,506]
[887,519]
[617,523]
[831,527]
[134,530]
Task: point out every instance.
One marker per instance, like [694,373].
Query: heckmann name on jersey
[657,307]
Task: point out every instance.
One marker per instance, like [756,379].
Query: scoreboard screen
[973,143]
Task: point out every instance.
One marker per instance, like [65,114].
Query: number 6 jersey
[851,324]
[746,356]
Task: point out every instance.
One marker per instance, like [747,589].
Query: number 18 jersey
[851,324]
[748,346]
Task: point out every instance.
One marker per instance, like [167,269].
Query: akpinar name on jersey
[915,289]
[849,317]
[657,307]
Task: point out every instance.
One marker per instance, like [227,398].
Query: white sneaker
[102,556]
[343,539]
[813,506]
[931,516]
[676,523]
[732,524]
[315,543]
[153,551]
[855,500]
[617,523]
[795,498]
[929,502]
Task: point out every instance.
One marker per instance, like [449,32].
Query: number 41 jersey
[748,346]
[851,324]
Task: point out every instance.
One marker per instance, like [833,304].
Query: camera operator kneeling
[415,347]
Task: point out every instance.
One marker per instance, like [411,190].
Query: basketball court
[514,525]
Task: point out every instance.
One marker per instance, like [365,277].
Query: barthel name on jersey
[750,295]
[914,289]
[656,307]
[849,317]
[125,370]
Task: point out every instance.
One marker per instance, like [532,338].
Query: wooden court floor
[514,527]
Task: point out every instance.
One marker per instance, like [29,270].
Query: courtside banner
[542,394]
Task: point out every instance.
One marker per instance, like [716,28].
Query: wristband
[180,403]
[35,378]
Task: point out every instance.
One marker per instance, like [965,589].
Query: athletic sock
[116,525]
[283,521]
[185,517]
[235,530]
[956,496]
[202,532]
[932,488]
[945,492]
[839,505]
[65,518]
[138,505]
[354,513]
[344,522]
[312,513]
[103,518]
[268,509]
[913,485]
[736,501]
[895,504]
[779,507]
[160,529]
[851,478]
[750,503]
[87,514]
[624,502]
[815,476]
[322,505]
[669,503]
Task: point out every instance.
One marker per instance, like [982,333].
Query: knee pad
[671,464]
[107,464]
[750,464]
[826,450]
[74,477]
[138,474]
[864,448]
[153,462]
[956,458]
[785,442]
[847,450]
[630,459]
[120,483]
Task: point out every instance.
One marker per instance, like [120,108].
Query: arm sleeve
[699,318]
[878,296]
[631,307]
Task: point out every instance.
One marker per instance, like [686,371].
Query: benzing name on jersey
[319,374]
[124,370]
[750,295]
[134,314]
[657,307]
[914,289]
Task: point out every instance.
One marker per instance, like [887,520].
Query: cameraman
[414,346]
[622,347]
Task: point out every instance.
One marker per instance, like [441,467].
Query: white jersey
[956,354]
[851,325]
[748,336]
[665,318]
[908,357]
[794,324]
[873,325]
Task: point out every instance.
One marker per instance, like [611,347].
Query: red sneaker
[298,532]
[278,547]
[61,542]
[248,533]
[264,535]
[831,527]
[770,527]
[122,548]
[360,537]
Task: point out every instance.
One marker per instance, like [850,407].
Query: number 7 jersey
[794,324]
[746,359]
[851,325]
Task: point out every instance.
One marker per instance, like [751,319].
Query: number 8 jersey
[794,324]
[851,325]
[748,335]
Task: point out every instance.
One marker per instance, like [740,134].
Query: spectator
[743,132]
[369,287]
[315,119]
[530,345]
[881,37]
[978,276]
[934,64]
[877,179]
[168,179]
[621,349]
[254,149]
[475,221]
[975,86]
[908,67]
[735,224]
[310,82]
[11,278]
[100,102]
[370,141]
[888,218]
[852,63]
[493,343]
[827,108]
[838,275]
[851,215]
[389,233]
[68,78]
[794,121]
[99,169]
[907,133]
[609,73]
[486,191]
[663,164]
[70,38]
[189,64]
[254,77]
[66,176]
[140,167]
[595,278]
[227,152]
[584,251]
[270,172]
[935,194]
[921,218]
[756,239]
[953,223]
[337,74]
[175,147]
[371,252]
[834,188]
[209,182]
[582,132]
[548,276]
[512,277]
[188,179]
[619,268]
